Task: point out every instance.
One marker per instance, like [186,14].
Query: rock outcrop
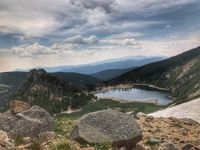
[50,92]
[107,126]
[17,106]
[28,123]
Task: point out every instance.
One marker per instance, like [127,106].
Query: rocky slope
[181,74]
[189,110]
[11,81]
[184,134]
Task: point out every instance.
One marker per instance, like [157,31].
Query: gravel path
[186,110]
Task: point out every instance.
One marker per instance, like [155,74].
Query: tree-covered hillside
[50,92]
[181,74]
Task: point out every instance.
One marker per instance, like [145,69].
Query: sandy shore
[152,101]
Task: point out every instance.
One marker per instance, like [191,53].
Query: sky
[49,33]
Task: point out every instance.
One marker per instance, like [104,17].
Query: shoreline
[127,86]
[124,101]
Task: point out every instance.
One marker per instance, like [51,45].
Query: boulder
[154,140]
[28,123]
[18,106]
[108,126]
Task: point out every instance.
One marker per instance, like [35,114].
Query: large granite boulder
[108,126]
[17,106]
[29,123]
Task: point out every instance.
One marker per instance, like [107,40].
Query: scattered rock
[18,106]
[3,136]
[168,146]
[189,147]
[27,123]
[154,140]
[130,113]
[140,147]
[108,126]
[149,118]
[177,131]
[5,142]
[188,121]
[27,140]
[5,145]
[140,114]
[45,137]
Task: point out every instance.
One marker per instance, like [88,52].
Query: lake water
[137,94]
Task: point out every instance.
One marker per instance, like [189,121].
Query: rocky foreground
[184,134]
[26,127]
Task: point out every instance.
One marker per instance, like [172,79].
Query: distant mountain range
[103,65]
[110,73]
[181,74]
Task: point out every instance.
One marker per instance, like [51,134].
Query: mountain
[181,74]
[92,68]
[50,92]
[110,73]
[10,81]
[80,80]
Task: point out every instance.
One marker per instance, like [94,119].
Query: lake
[137,94]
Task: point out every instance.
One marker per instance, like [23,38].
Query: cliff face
[49,92]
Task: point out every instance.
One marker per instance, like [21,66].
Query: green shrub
[63,144]
[18,140]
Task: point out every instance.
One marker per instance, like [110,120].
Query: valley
[142,92]
[99,74]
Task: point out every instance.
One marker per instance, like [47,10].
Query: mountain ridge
[179,73]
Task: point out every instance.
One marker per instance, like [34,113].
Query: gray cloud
[96,29]
[109,6]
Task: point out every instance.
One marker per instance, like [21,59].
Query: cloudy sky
[69,32]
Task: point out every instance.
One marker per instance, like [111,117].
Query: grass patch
[106,103]
[63,144]
[18,140]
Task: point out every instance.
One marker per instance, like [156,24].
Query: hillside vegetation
[49,92]
[11,81]
[110,73]
[181,74]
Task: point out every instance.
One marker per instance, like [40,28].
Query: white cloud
[79,39]
[126,42]
[34,50]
